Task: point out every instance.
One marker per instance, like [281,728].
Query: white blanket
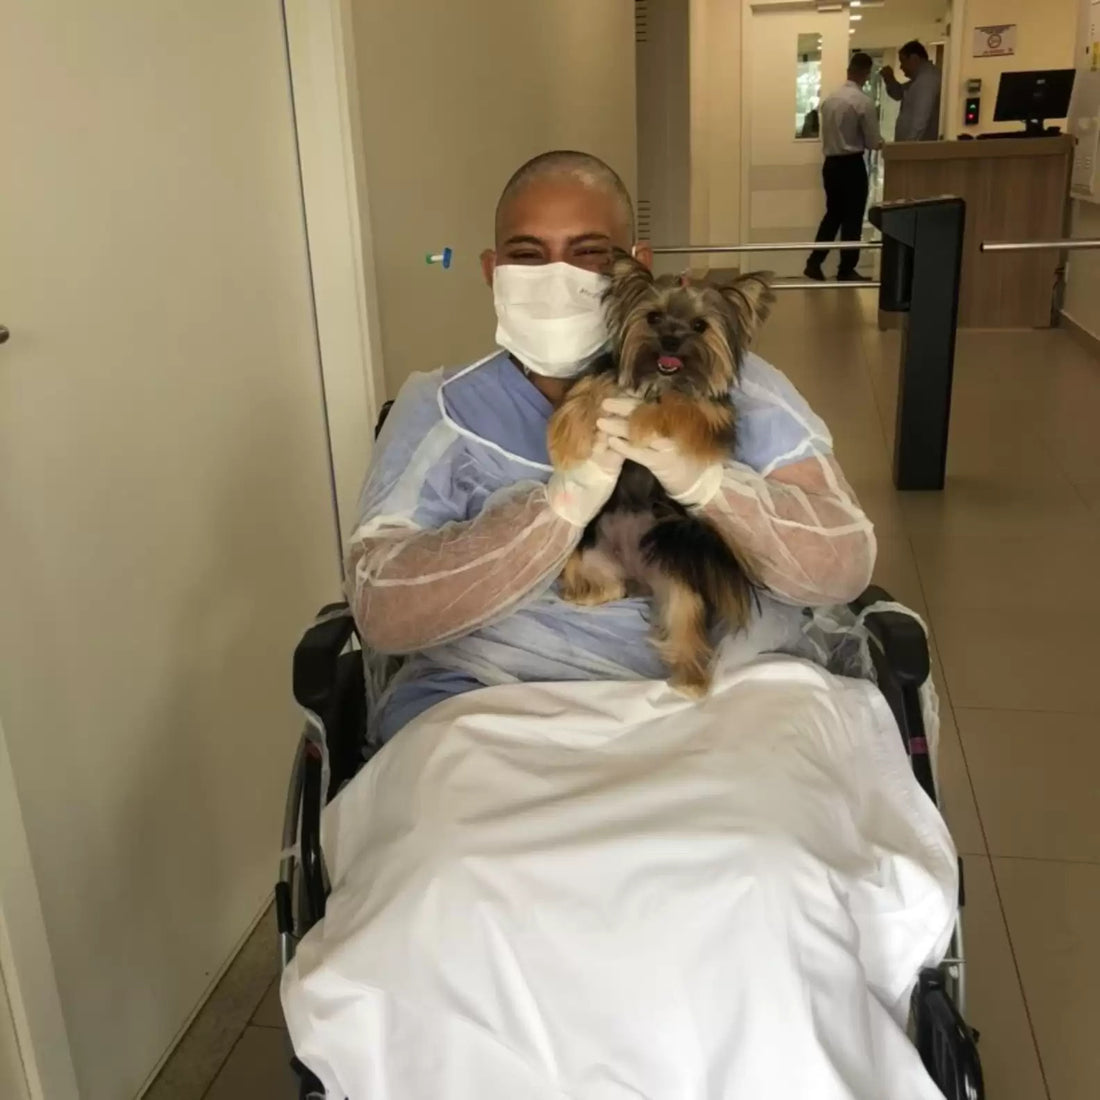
[601,891]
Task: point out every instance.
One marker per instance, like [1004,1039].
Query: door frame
[25,957]
[324,88]
[951,79]
[13,1074]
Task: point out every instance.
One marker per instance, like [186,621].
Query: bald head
[566,166]
[563,207]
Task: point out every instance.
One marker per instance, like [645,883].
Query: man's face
[909,63]
[560,219]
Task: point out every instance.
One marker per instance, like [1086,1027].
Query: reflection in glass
[807,91]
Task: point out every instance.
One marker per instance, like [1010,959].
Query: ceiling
[894,16]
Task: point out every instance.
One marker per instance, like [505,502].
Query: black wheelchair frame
[329,685]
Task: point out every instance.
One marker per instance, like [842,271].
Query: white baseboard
[1089,340]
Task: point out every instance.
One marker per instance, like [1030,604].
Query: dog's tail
[691,551]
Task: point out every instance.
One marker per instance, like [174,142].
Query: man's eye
[525,257]
[699,325]
[592,252]
[653,318]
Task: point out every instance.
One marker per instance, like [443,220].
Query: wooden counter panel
[1019,196]
[1058,146]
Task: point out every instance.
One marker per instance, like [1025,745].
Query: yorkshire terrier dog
[677,345]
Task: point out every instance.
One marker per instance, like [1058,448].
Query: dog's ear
[751,297]
[631,283]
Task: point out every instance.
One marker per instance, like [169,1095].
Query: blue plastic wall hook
[443,258]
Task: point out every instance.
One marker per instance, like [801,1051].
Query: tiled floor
[237,1048]
[1005,565]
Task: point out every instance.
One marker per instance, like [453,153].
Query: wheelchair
[329,685]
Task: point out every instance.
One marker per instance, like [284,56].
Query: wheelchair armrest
[899,651]
[315,665]
[901,638]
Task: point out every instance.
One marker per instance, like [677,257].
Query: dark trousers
[845,180]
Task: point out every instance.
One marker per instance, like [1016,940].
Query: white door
[782,195]
[166,521]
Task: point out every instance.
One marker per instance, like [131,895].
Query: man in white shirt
[849,127]
[919,117]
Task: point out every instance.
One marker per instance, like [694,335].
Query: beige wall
[689,113]
[1046,35]
[893,34]
[454,97]
[716,152]
[1082,301]
[665,63]
[699,120]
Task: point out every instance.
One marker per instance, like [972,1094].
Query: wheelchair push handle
[315,656]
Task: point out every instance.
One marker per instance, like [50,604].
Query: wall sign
[1094,35]
[995,41]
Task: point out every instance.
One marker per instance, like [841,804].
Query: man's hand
[887,72]
[685,479]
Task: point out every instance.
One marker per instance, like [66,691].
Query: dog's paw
[699,428]
[590,596]
[649,421]
[570,438]
[571,433]
[591,579]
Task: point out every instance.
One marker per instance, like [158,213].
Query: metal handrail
[774,246]
[828,284]
[1072,243]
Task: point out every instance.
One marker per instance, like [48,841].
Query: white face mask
[550,316]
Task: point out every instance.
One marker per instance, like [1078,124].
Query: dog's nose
[670,343]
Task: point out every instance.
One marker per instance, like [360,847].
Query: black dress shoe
[813,271]
[852,277]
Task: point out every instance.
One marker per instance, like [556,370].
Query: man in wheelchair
[463,527]
[576,882]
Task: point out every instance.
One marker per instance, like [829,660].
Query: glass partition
[807,88]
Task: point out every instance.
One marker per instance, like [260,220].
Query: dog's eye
[699,325]
[653,318]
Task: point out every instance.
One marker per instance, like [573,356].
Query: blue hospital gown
[497,437]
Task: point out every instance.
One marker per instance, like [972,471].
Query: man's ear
[627,270]
[488,262]
[643,253]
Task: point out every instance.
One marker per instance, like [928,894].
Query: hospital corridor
[1003,571]
[550,549]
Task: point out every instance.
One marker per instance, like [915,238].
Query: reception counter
[1015,189]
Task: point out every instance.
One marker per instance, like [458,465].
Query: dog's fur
[677,345]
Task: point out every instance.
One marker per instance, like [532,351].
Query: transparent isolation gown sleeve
[411,590]
[800,530]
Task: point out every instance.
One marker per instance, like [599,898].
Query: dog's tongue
[669,362]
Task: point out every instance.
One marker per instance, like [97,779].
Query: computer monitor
[1033,97]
